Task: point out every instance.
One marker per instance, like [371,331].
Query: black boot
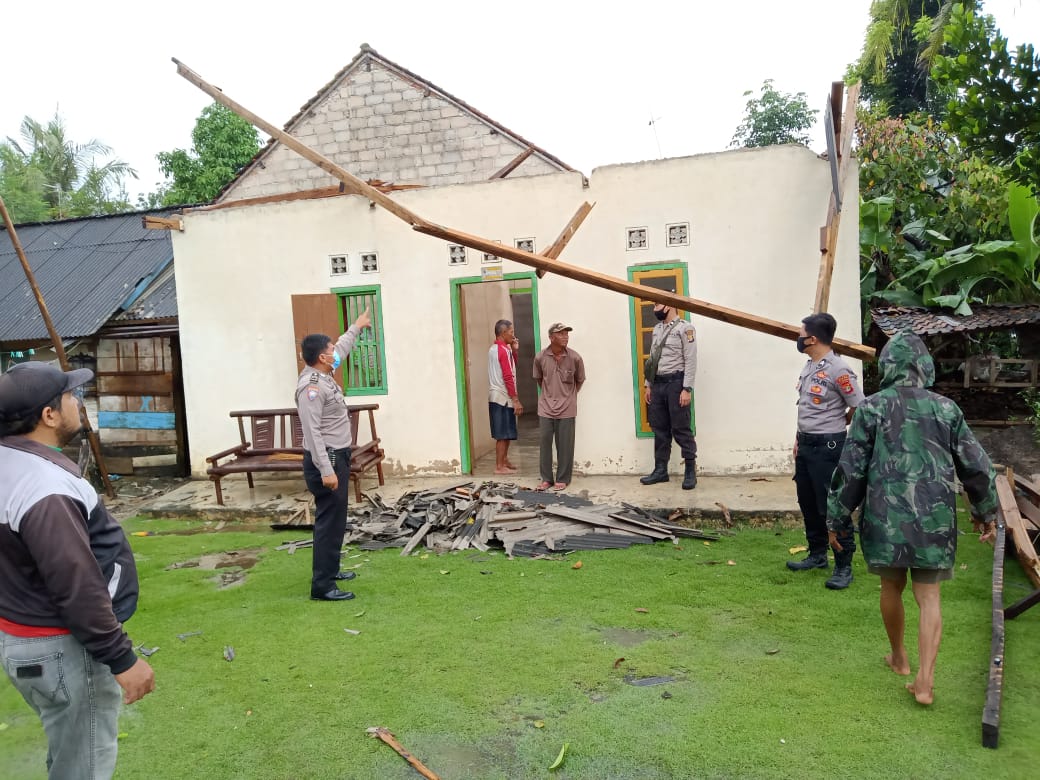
[690,478]
[659,474]
[842,576]
[813,561]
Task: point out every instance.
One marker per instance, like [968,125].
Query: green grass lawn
[483,667]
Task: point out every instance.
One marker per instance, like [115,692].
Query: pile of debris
[499,515]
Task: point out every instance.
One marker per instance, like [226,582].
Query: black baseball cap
[28,387]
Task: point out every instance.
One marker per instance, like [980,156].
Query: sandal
[544,486]
[559,486]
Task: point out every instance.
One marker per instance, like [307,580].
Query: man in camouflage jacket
[905,450]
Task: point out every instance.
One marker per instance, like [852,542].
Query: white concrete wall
[754,222]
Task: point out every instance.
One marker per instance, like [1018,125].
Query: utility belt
[669,377]
[828,440]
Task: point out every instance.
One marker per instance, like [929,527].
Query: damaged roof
[930,322]
[367,53]
[88,269]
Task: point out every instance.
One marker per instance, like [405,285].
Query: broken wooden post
[556,248]
[839,137]
[59,347]
[512,164]
[995,686]
[356,186]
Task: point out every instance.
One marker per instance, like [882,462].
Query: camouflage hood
[905,362]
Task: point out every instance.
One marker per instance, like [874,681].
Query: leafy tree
[222,142]
[21,188]
[774,118]
[901,43]
[995,109]
[48,167]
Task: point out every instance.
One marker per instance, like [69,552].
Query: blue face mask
[335,360]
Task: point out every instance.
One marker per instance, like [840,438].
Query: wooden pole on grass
[59,348]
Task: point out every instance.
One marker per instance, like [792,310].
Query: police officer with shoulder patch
[326,463]
[828,393]
[668,391]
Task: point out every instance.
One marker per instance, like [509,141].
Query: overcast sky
[580,79]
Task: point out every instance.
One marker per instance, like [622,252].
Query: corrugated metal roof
[87,269]
[158,300]
[927,322]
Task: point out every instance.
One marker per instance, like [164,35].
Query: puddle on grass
[446,757]
[625,637]
[236,560]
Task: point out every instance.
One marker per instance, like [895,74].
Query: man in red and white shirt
[503,400]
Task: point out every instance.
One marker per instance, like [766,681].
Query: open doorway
[476,306]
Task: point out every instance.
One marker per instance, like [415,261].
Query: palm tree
[60,169]
[901,43]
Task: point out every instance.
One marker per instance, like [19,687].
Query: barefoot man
[503,398]
[905,451]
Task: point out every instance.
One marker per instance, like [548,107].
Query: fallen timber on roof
[500,515]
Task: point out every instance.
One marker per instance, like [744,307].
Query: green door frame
[466,456]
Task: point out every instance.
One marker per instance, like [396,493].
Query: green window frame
[663,276]
[364,369]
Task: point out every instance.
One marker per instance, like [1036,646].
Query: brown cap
[556,327]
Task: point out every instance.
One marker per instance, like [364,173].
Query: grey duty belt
[828,440]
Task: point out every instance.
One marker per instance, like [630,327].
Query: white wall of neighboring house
[754,217]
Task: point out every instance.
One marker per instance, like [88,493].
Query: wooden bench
[275,443]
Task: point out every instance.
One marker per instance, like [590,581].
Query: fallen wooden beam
[556,248]
[353,183]
[681,302]
[1020,606]
[358,187]
[1024,549]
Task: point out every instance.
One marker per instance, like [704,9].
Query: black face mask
[661,314]
[801,343]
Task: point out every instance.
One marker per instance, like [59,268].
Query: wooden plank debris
[502,516]
[556,248]
[995,686]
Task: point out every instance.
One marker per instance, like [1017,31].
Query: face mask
[335,360]
[801,343]
[661,314]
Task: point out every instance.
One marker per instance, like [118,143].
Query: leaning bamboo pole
[356,186]
[59,347]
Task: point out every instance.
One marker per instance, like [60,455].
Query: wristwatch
[688,389]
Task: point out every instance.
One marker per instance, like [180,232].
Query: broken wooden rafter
[356,186]
[152,222]
[353,184]
[995,685]
[512,164]
[681,302]
[556,248]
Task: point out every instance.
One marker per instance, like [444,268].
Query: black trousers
[818,456]
[330,520]
[670,421]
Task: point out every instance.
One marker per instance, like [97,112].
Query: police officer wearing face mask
[828,393]
[668,392]
[326,463]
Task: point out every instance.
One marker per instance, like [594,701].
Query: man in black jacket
[68,580]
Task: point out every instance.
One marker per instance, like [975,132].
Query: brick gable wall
[378,125]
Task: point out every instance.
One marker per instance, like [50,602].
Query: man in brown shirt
[560,373]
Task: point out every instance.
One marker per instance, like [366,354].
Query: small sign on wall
[491,273]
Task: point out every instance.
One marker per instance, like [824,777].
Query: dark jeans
[818,456]
[330,520]
[670,421]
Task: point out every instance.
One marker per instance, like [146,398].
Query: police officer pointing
[326,463]
[828,392]
[668,390]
